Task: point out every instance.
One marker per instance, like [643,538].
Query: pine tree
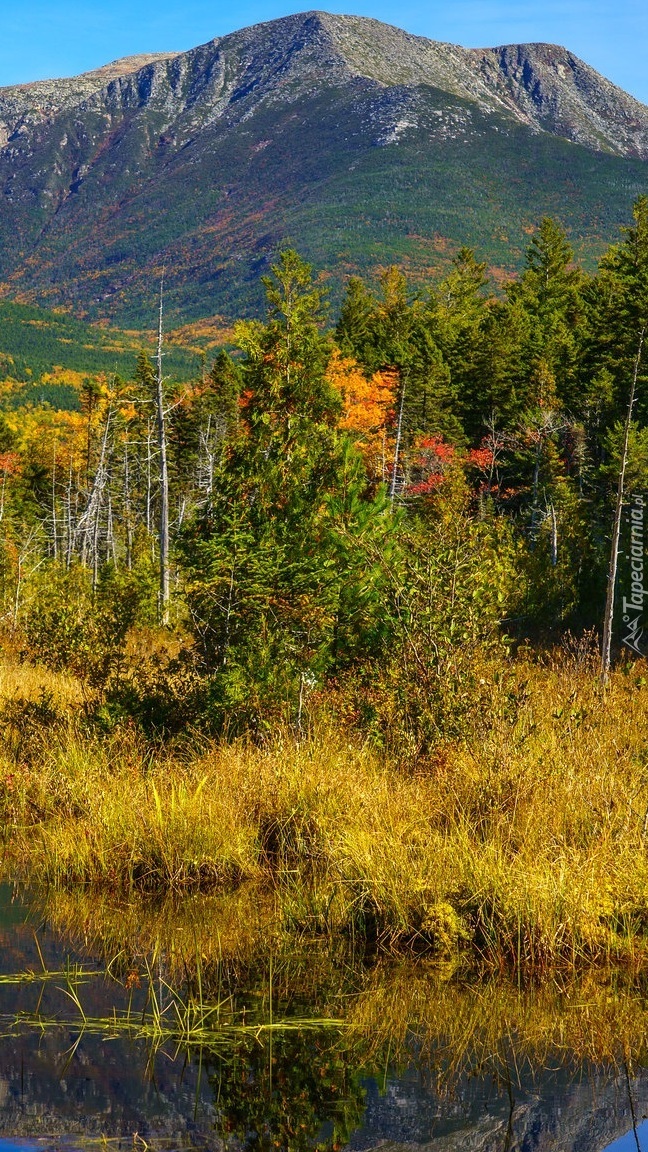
[549,291]
[355,327]
[626,270]
[265,587]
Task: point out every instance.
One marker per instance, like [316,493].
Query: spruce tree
[268,560]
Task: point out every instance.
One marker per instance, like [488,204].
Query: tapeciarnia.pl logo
[633,605]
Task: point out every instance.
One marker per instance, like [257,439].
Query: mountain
[354,141]
[553,1111]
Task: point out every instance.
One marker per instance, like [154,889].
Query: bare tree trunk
[77,516]
[606,646]
[206,469]
[164,474]
[69,543]
[54,524]
[399,434]
[148,477]
[111,544]
[95,550]
[91,517]
[127,511]
[28,550]
[533,534]
[16,606]
[554,534]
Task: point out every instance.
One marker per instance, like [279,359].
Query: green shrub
[69,626]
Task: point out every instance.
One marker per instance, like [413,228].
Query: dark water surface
[69,1079]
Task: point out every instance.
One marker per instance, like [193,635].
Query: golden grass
[525,847]
[467,1029]
[22,681]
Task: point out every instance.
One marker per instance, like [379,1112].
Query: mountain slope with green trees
[45,356]
[352,141]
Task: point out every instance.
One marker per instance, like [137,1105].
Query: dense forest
[364,516]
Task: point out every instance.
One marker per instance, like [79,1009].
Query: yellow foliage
[368,401]
[60,375]
[368,406]
[44,431]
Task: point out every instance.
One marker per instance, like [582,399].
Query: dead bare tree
[29,559]
[397,447]
[608,621]
[164,472]
[128,523]
[87,528]
[69,523]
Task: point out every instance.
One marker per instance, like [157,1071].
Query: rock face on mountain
[24,106]
[355,141]
[543,85]
[555,91]
[559,1111]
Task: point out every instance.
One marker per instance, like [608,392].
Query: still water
[97,1050]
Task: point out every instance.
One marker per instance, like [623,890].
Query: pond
[120,1027]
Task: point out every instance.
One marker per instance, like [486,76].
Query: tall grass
[523,847]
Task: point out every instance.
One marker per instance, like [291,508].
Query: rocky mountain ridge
[24,106]
[543,85]
[352,139]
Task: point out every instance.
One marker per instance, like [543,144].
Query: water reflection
[419,1056]
[634,1141]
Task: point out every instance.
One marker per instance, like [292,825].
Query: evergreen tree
[269,570]
[618,303]
[549,292]
[354,330]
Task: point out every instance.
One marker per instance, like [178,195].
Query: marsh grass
[73,974]
[167,1014]
[229,932]
[400,1005]
[522,847]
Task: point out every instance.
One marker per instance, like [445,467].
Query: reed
[166,1014]
[522,846]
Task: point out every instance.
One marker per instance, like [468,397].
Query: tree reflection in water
[290,1093]
[422,1054]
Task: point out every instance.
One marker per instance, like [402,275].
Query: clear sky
[44,38]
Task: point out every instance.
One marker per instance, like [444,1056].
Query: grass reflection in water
[288,1037]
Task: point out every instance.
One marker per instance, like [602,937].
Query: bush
[69,626]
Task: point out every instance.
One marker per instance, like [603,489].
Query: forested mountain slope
[354,141]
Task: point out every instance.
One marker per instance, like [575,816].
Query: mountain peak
[544,85]
[353,140]
[559,93]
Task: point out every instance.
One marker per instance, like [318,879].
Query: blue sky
[40,38]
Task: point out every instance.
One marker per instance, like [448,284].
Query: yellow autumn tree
[367,410]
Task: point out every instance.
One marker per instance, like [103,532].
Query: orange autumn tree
[367,410]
